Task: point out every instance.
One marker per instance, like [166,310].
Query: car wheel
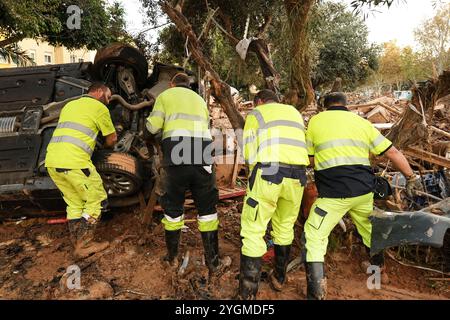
[121,173]
[124,55]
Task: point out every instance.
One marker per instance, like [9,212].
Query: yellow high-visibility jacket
[183,117]
[275,133]
[340,142]
[74,138]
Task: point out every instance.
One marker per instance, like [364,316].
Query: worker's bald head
[335,99]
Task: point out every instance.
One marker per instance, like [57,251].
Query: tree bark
[260,48]
[220,90]
[410,129]
[301,92]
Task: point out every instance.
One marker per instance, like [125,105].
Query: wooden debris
[427,156]
[378,115]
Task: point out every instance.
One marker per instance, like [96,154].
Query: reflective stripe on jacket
[275,132]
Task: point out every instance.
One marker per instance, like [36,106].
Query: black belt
[86,171]
[275,172]
[281,165]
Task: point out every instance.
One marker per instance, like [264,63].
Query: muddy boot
[74,226]
[376,260]
[85,243]
[172,243]
[278,276]
[211,247]
[249,277]
[316,281]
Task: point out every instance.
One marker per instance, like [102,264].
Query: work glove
[413,184]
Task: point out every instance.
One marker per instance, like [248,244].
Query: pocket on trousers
[316,219]
[253,204]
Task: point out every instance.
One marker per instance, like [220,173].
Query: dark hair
[181,79]
[335,98]
[97,85]
[266,95]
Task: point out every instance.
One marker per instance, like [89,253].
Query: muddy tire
[121,173]
[123,55]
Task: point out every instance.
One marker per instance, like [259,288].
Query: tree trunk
[410,129]
[271,75]
[261,49]
[220,90]
[300,93]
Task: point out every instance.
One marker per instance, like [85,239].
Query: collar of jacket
[341,108]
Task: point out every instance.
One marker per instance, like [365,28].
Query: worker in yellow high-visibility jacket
[68,162]
[339,143]
[275,150]
[181,116]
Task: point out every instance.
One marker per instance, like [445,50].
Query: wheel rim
[117,184]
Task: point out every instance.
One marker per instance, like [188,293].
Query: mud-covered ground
[34,257]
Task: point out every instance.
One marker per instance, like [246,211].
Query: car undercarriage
[31,99]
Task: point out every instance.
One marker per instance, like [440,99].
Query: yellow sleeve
[378,143]
[104,124]
[250,139]
[310,139]
[155,121]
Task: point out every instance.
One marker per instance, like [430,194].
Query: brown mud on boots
[86,245]
[278,277]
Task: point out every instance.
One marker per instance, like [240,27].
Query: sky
[385,24]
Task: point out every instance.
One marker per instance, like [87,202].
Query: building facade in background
[43,53]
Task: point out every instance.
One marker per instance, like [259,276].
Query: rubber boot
[316,282]
[172,243]
[74,226]
[376,260]
[250,275]
[211,249]
[278,276]
[85,243]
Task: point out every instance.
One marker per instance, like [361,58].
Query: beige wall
[44,53]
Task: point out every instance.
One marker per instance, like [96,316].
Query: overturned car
[31,99]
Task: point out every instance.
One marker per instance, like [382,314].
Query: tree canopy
[46,19]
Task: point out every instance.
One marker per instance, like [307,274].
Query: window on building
[73,58]
[80,60]
[32,55]
[48,58]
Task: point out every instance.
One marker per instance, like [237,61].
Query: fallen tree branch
[427,156]
[413,266]
[220,90]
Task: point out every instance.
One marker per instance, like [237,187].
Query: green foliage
[340,47]
[401,67]
[47,19]
[338,40]
[434,38]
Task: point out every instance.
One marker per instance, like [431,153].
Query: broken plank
[427,156]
